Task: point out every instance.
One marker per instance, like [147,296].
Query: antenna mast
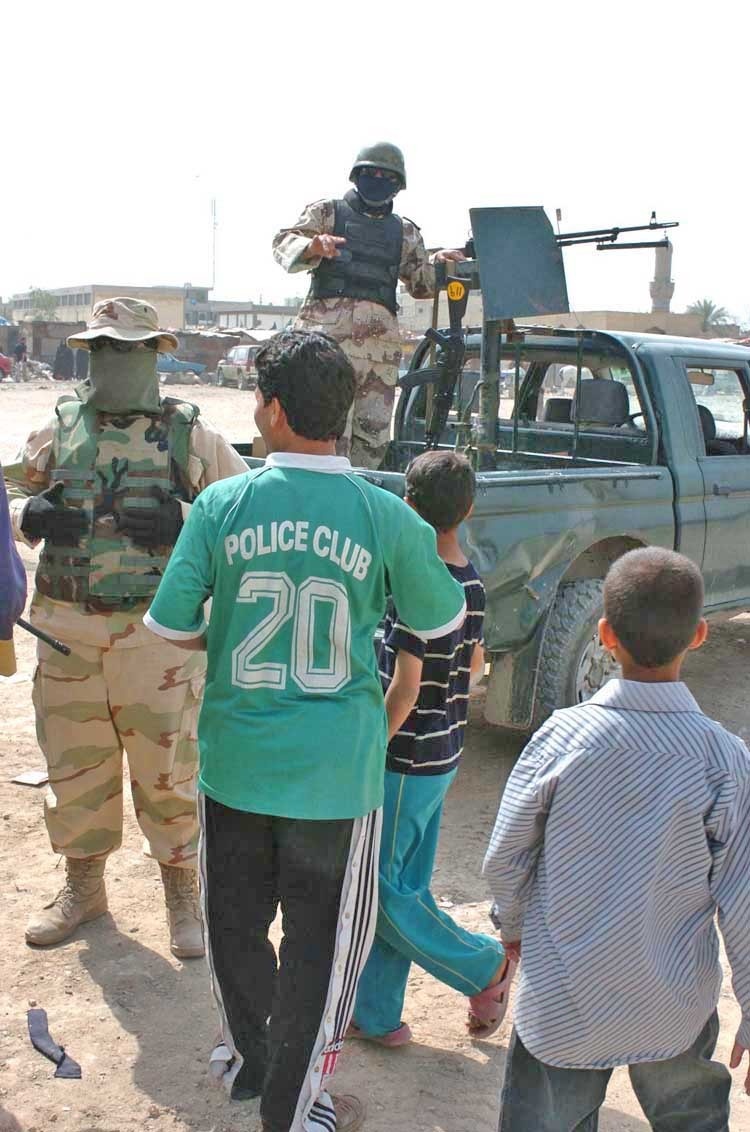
[214,226]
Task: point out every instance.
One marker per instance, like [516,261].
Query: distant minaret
[662,287]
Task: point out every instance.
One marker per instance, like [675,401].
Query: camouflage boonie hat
[381,155]
[127,319]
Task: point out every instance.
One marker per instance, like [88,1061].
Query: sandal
[394,1038]
[489,1006]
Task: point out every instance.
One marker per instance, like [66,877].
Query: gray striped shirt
[624,827]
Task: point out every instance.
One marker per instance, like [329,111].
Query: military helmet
[381,155]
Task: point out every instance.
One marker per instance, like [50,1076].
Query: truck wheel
[220,379]
[573,664]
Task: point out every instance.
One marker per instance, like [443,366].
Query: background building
[185,307]
[75,303]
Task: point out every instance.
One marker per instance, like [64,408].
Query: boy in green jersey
[298,556]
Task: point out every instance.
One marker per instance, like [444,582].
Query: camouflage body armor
[367,265]
[108,461]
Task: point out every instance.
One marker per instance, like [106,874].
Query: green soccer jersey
[298,557]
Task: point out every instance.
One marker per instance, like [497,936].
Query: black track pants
[283,1022]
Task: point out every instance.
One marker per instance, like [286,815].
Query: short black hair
[653,599]
[441,485]
[312,378]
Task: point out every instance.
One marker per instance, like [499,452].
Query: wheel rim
[595,668]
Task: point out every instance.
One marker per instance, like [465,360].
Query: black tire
[569,645]
[220,378]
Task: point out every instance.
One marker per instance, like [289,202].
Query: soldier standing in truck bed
[357,249]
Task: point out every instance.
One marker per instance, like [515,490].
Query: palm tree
[711,315]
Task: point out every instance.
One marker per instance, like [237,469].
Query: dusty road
[140,1022]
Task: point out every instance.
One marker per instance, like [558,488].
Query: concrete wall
[43,338]
[206,348]
[416,316]
[643,322]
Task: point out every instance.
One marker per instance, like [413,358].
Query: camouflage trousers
[368,335]
[141,694]
[368,426]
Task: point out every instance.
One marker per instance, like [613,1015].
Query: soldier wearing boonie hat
[356,250]
[102,487]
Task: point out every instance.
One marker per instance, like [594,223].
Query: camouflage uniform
[121,687]
[367,331]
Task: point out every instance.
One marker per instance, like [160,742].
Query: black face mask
[377,191]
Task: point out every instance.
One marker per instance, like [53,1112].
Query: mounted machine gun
[515,260]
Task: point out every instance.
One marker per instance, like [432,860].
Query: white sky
[124,120]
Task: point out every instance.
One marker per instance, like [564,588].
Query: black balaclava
[377,192]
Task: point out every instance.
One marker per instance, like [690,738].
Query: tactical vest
[109,461]
[368,263]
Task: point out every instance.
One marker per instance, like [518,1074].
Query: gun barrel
[53,643]
[592,234]
[632,244]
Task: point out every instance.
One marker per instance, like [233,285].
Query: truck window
[609,413]
[720,404]
[471,374]
[559,386]
[555,401]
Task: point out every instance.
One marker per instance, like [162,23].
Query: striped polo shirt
[624,826]
[432,738]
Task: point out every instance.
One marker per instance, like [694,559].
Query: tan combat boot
[183,912]
[83,898]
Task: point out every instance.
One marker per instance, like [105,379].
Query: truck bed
[536,515]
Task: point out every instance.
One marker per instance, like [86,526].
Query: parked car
[169,364]
[6,364]
[238,367]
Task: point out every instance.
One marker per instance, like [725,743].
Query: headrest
[558,410]
[708,424]
[602,402]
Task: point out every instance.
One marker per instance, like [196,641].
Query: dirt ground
[141,1023]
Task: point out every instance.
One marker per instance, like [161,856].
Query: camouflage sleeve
[416,270]
[290,243]
[29,474]
[211,457]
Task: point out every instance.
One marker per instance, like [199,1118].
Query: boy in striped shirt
[623,830]
[426,697]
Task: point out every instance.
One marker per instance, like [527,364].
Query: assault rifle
[450,357]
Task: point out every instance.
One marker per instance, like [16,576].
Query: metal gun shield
[520,265]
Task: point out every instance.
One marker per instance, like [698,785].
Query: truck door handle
[722,489]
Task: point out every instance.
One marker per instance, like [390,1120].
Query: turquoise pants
[411,928]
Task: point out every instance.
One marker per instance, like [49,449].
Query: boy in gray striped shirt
[623,830]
